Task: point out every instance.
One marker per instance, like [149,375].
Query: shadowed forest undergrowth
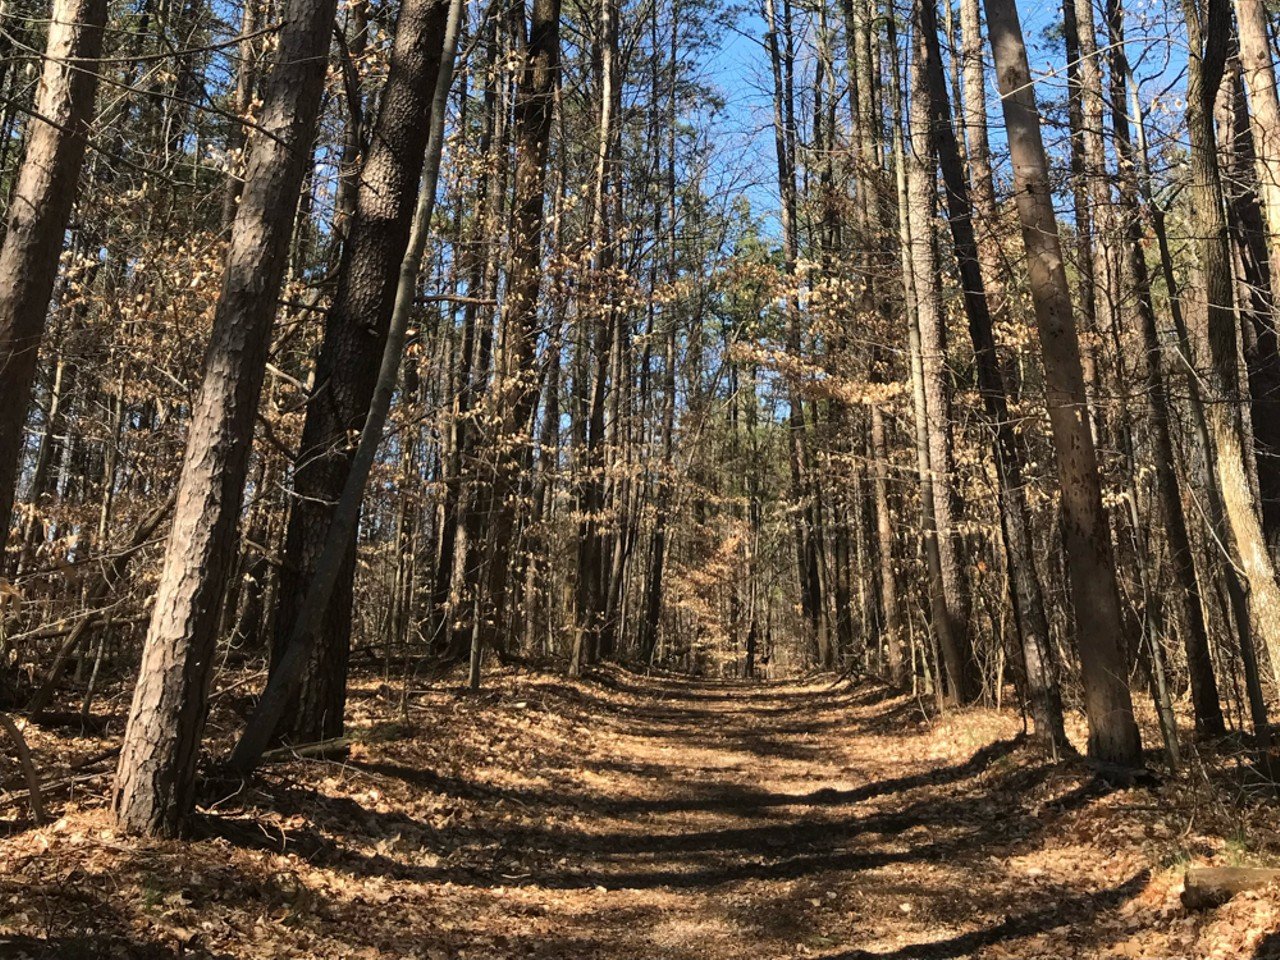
[624,816]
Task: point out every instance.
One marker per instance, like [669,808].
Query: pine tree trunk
[39,208]
[961,670]
[246,75]
[354,138]
[155,780]
[287,678]
[346,371]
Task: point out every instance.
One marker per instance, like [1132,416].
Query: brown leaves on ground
[655,819]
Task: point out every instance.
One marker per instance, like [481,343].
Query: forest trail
[638,818]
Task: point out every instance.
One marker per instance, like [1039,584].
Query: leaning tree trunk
[1257,61]
[155,780]
[287,677]
[39,209]
[1100,631]
[346,371]
[1208,33]
[1255,281]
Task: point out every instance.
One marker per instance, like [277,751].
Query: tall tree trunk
[1235,608]
[1094,181]
[1100,631]
[1258,64]
[479,268]
[1208,31]
[355,142]
[779,43]
[1204,688]
[354,338]
[515,390]
[981,180]
[43,193]
[964,685]
[246,76]
[286,680]
[1254,284]
[936,593]
[651,623]
[875,236]
[1028,599]
[155,780]
[592,577]
[1083,210]
[885,539]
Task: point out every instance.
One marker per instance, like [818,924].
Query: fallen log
[1206,887]
[64,627]
[320,750]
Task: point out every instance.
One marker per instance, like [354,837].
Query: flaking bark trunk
[155,780]
[355,334]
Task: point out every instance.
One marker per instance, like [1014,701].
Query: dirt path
[631,818]
[723,820]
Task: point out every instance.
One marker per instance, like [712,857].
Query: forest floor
[647,818]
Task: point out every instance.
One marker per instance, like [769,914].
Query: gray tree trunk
[1100,631]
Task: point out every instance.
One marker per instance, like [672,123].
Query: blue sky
[740,70]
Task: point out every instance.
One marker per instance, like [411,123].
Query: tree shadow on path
[1074,910]
[580,818]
